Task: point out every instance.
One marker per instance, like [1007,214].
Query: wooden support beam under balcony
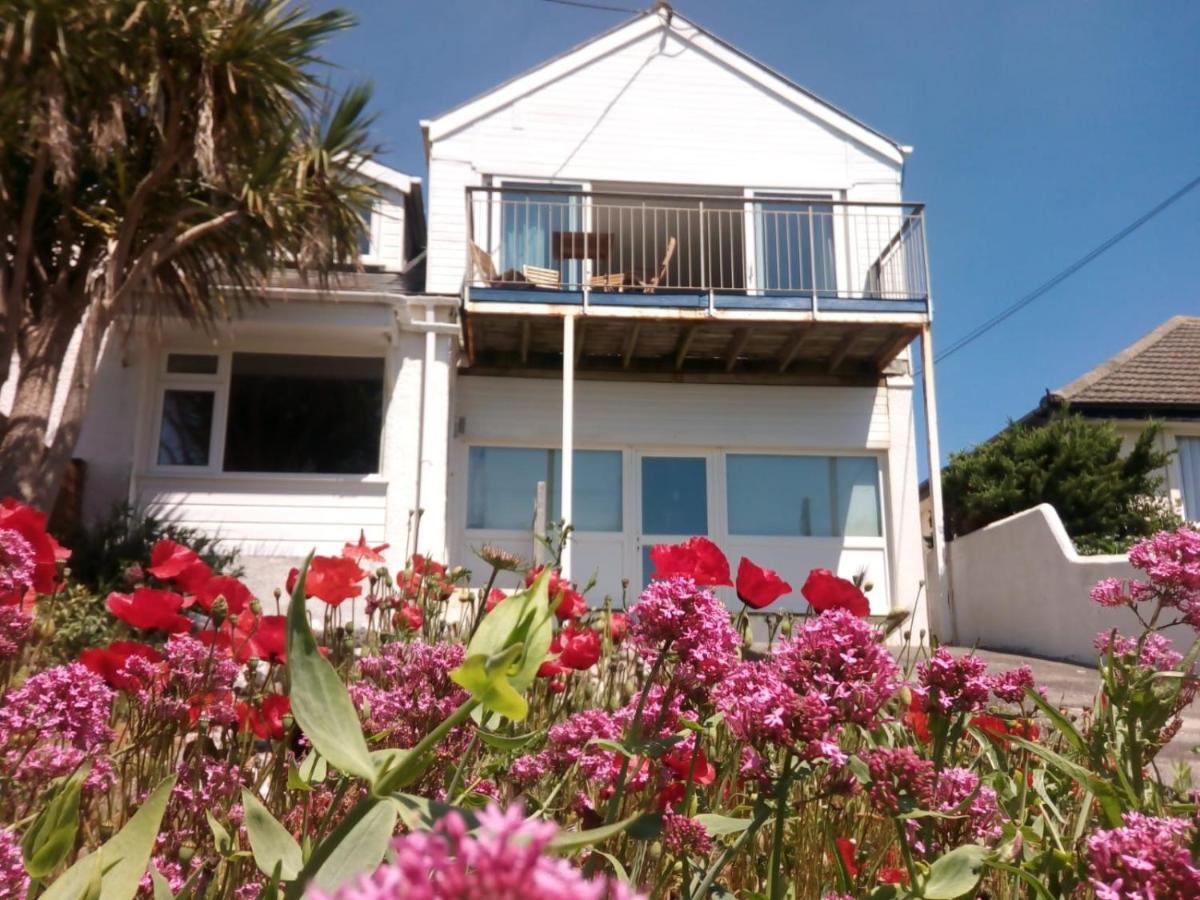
[686,335]
[526,336]
[630,346]
[847,345]
[791,347]
[737,344]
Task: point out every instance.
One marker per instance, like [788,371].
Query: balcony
[713,282]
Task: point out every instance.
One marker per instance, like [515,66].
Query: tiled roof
[1161,369]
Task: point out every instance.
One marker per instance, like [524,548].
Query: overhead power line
[600,6]
[1009,311]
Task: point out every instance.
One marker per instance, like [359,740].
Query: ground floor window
[271,412]
[502,488]
[802,496]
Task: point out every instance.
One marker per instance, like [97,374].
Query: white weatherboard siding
[661,109]
[685,418]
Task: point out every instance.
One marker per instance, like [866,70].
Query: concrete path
[1073,686]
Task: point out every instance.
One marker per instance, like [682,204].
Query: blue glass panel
[674,495]
[856,496]
[528,220]
[779,495]
[794,247]
[502,487]
[598,501]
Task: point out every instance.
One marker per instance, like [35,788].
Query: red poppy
[261,637]
[999,729]
[579,648]
[109,662]
[679,762]
[333,579]
[569,602]
[362,550]
[697,558]
[36,543]
[237,595]
[150,609]
[495,595]
[671,796]
[847,850]
[266,719]
[408,617]
[424,566]
[618,627]
[824,590]
[180,565]
[557,686]
[758,587]
[199,705]
[891,875]
[918,721]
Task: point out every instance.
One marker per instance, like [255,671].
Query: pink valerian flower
[29,556]
[898,772]
[1147,858]
[684,836]
[950,684]
[1171,561]
[841,658]
[1010,686]
[691,623]
[978,822]
[203,785]
[761,709]
[570,742]
[66,704]
[195,671]
[503,860]
[1110,592]
[1155,652]
[658,720]
[17,562]
[14,881]
[15,625]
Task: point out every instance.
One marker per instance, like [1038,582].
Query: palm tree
[157,158]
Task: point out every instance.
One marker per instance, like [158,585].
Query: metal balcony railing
[778,246]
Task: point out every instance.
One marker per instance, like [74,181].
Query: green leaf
[361,850]
[1060,722]
[390,759]
[320,704]
[221,839]
[162,889]
[274,847]
[618,869]
[523,618]
[509,742]
[49,840]
[120,863]
[487,680]
[420,813]
[1029,878]
[717,825]
[1104,792]
[955,873]
[642,826]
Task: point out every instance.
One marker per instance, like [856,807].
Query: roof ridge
[1115,363]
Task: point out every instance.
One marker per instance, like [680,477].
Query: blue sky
[1040,129]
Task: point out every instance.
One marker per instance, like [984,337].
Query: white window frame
[220,384]
[374,236]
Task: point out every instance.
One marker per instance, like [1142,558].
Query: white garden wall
[1019,585]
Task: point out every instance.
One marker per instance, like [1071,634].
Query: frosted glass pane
[857,496]
[1189,467]
[502,486]
[779,495]
[598,505]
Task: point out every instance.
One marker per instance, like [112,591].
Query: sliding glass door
[536,224]
[794,244]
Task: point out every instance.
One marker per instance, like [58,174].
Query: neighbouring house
[1155,378]
[657,276]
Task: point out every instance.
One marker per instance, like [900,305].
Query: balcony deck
[692,285]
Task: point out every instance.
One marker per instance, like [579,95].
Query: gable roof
[1160,370]
[661,18]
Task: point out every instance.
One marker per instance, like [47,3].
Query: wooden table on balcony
[593,245]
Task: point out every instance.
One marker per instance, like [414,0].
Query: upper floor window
[271,412]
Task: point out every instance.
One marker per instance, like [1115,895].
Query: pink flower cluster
[950,684]
[1010,686]
[974,808]
[1147,858]
[691,623]
[1171,561]
[569,743]
[15,625]
[684,836]
[503,860]
[14,882]
[898,773]
[1155,652]
[406,689]
[761,708]
[18,561]
[840,658]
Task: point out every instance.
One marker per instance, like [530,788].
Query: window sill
[182,474]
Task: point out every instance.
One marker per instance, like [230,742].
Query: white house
[660,277]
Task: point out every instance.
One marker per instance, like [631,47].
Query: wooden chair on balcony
[542,277]
[487,269]
[650,284]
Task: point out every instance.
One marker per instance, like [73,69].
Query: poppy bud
[220,609]
[256,607]
[785,627]
[278,594]
[186,851]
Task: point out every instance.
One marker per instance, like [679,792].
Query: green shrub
[1106,500]
[101,553]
